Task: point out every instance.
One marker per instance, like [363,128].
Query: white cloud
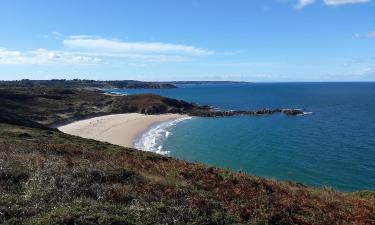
[116,46]
[365,72]
[53,35]
[343,2]
[93,50]
[44,56]
[370,34]
[303,3]
[97,60]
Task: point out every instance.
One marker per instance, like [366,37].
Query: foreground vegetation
[47,177]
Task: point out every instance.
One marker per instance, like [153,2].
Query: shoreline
[153,138]
[119,129]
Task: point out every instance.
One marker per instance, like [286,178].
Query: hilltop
[50,105]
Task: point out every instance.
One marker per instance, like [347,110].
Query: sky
[165,40]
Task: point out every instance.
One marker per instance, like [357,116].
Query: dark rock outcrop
[208,112]
[292,112]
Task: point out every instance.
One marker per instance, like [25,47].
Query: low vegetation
[48,177]
[55,105]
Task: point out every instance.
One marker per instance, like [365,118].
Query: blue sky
[249,40]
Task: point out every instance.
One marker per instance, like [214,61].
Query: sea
[332,145]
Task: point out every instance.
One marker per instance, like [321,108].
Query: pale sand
[119,129]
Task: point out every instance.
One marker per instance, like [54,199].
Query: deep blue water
[333,146]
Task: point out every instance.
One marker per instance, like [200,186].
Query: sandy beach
[119,129]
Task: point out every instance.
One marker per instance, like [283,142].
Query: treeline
[78,83]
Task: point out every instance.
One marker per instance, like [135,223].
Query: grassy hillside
[47,177]
[51,105]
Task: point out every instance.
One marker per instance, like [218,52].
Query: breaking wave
[153,139]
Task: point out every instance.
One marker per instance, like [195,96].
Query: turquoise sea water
[333,146]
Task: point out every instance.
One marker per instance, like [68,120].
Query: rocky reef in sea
[206,111]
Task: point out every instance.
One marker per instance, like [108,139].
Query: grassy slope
[47,177]
[51,105]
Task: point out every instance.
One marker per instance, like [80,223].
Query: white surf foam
[118,93]
[306,113]
[153,139]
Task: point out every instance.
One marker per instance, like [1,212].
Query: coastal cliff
[48,177]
